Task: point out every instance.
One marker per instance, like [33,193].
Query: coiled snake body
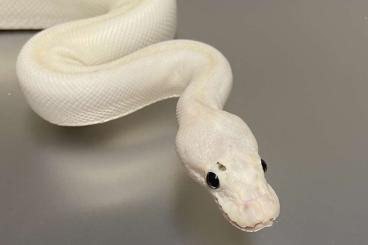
[113,57]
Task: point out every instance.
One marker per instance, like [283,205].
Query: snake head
[243,194]
[221,153]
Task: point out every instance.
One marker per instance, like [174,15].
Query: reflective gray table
[301,83]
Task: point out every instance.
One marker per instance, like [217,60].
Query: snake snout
[252,214]
[261,211]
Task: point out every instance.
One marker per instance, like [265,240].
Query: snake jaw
[254,228]
[252,223]
[258,226]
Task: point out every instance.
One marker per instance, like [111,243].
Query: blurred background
[301,75]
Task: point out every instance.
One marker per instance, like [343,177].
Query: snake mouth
[256,227]
[253,228]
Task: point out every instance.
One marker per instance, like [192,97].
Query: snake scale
[98,60]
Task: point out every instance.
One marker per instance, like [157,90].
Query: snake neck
[209,85]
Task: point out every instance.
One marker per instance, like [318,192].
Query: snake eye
[264,165]
[212,180]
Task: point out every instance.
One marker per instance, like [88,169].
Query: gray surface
[301,84]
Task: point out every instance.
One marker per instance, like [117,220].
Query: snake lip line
[256,227]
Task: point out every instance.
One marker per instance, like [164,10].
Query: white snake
[116,60]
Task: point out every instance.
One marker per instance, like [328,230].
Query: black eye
[264,165]
[212,180]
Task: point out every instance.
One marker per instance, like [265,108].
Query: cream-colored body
[118,59]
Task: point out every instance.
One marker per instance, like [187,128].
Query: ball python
[98,60]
